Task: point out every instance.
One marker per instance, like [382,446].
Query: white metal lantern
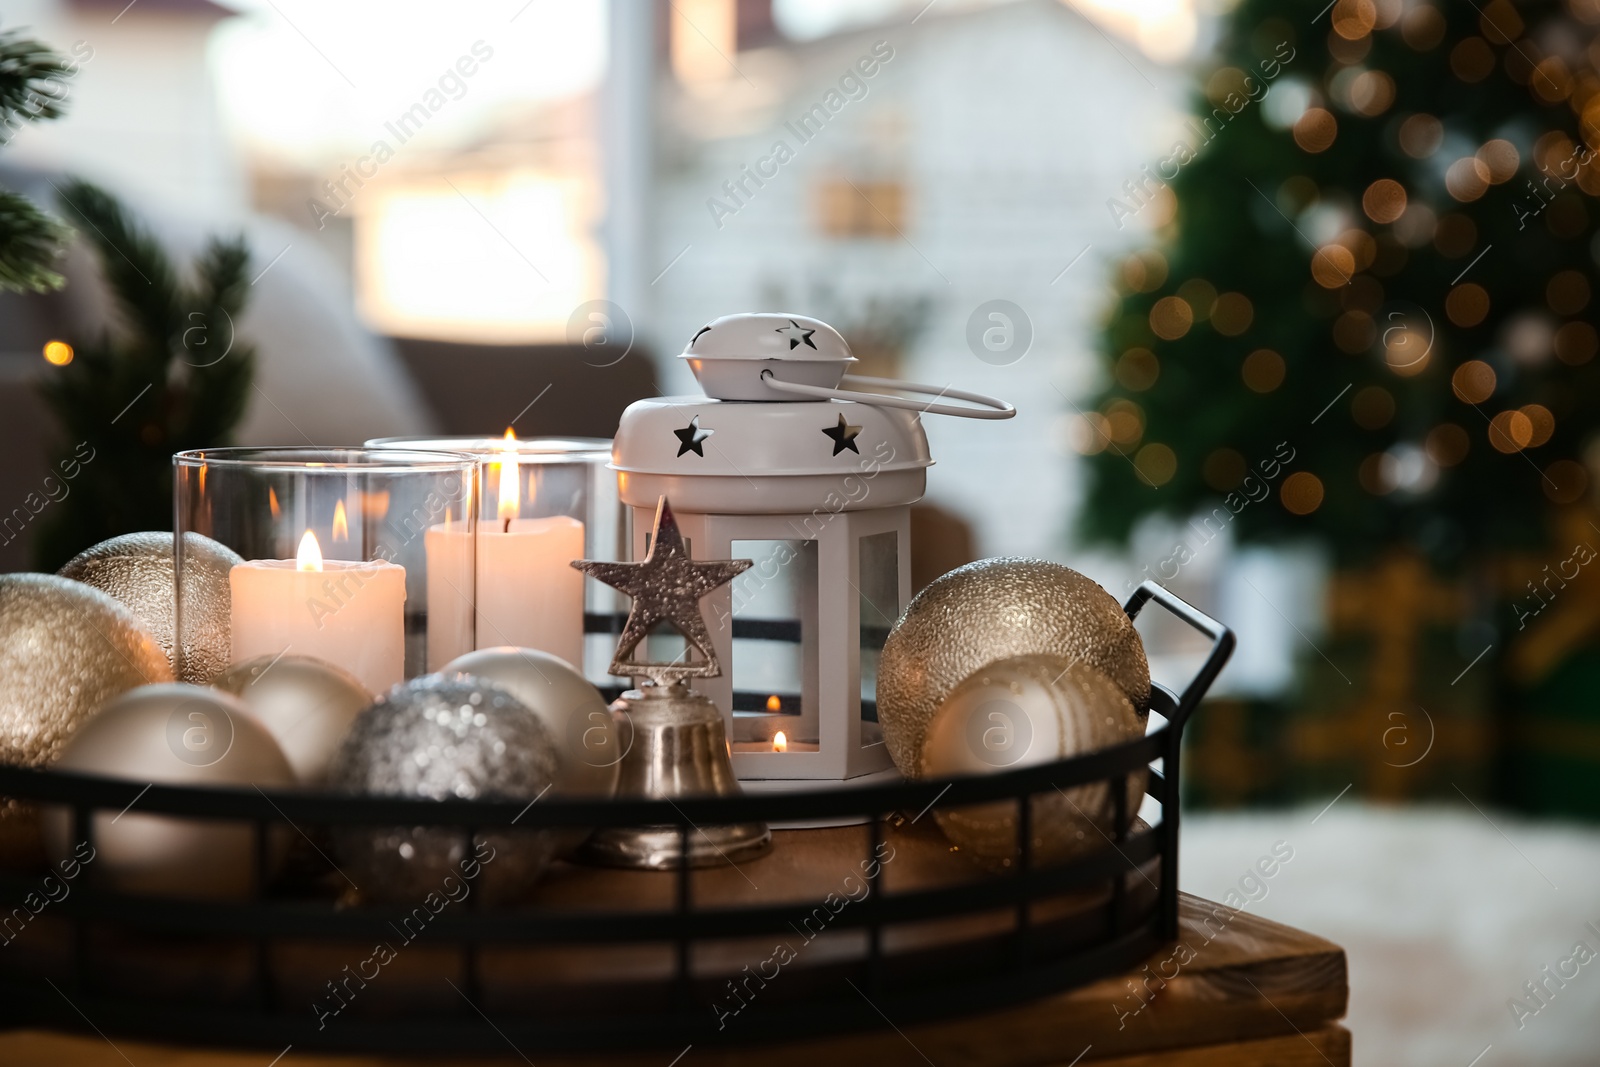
[814,484]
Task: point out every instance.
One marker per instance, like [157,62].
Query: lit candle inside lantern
[528,593]
[780,742]
[350,613]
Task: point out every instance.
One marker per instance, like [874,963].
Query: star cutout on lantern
[844,436]
[666,586]
[797,335]
[691,437]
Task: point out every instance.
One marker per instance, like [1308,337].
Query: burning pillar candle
[350,613]
[528,594]
[450,592]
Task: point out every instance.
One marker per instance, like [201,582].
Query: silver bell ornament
[436,738]
[675,745]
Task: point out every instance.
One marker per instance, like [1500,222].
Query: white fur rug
[1444,915]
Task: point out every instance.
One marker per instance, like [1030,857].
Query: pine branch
[223,366]
[32,80]
[139,272]
[30,243]
[176,377]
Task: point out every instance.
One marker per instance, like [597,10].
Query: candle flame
[309,558]
[510,479]
[341,524]
[272,501]
[780,743]
[773,703]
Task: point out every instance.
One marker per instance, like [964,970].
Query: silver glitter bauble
[991,610]
[136,569]
[306,703]
[438,738]
[177,735]
[65,650]
[577,716]
[1020,712]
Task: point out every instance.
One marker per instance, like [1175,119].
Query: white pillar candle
[350,613]
[529,595]
[451,589]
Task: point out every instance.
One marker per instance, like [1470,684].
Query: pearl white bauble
[573,711]
[306,703]
[173,734]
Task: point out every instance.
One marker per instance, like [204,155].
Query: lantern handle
[989,407]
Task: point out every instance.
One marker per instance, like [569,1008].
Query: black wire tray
[611,960]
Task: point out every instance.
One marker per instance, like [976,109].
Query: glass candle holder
[340,555]
[542,503]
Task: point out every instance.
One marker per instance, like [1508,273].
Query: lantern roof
[749,448]
[691,436]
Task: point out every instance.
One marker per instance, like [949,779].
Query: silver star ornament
[666,586]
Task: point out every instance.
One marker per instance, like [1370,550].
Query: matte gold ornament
[1024,711]
[305,703]
[136,569]
[991,610]
[174,734]
[441,737]
[65,649]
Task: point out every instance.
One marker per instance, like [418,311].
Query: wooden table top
[1233,989]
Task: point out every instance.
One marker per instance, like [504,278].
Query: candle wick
[507,527]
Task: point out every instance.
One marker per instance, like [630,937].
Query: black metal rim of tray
[1031,959]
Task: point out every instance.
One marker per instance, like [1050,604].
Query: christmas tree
[32,88]
[1365,322]
[173,376]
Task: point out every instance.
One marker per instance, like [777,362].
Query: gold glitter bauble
[65,650]
[1023,711]
[136,569]
[991,610]
[306,704]
[175,735]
